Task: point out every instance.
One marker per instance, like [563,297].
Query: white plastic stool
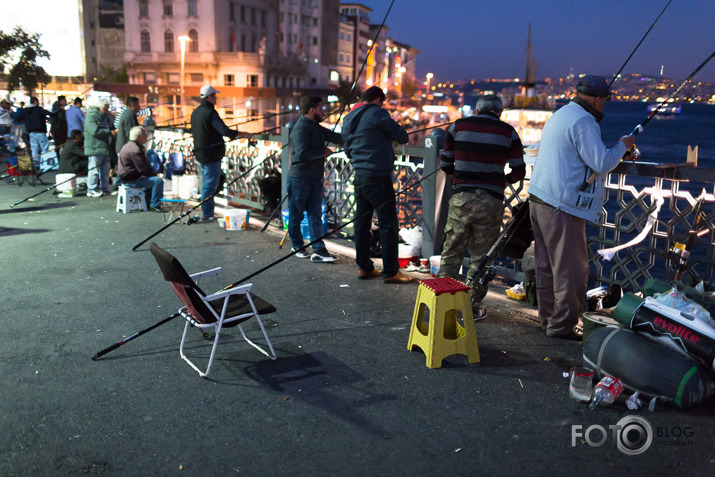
[129,199]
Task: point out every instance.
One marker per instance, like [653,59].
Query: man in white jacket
[562,200]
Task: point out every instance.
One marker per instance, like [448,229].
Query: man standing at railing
[476,151]
[306,176]
[368,132]
[562,200]
[209,148]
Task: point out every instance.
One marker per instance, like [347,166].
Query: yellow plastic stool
[442,335]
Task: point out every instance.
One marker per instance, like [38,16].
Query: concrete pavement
[345,397]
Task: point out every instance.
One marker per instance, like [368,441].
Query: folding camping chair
[27,170]
[222,309]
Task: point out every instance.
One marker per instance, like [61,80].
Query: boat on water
[666,110]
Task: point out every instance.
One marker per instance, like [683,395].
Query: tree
[19,53]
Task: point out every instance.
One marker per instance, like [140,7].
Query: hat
[593,86]
[208,90]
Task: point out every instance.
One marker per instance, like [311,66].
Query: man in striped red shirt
[476,151]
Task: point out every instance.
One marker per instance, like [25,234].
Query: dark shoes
[573,335]
[156,209]
[399,278]
[374,273]
[322,255]
[300,253]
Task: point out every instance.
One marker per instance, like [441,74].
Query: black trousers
[376,194]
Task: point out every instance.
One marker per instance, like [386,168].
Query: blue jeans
[376,194]
[211,172]
[305,195]
[98,173]
[154,189]
[39,145]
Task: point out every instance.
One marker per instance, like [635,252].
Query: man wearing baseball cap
[562,201]
[209,130]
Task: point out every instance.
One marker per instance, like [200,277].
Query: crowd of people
[476,153]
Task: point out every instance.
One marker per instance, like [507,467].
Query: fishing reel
[192,220]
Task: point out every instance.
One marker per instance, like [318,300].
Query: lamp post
[182,39]
[429,76]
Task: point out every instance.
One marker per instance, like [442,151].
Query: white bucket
[237,219]
[186,187]
[66,186]
[434,264]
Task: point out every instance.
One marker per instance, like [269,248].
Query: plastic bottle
[606,392]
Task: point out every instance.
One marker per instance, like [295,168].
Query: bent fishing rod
[640,127]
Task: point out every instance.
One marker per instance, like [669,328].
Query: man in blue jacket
[368,133]
[305,177]
[562,201]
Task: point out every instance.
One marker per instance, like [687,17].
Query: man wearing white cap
[209,148]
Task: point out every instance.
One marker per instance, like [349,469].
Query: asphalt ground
[345,396]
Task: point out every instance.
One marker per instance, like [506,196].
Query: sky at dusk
[465,39]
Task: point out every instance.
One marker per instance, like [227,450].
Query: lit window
[169,41]
[149,78]
[145,41]
[172,78]
[194,43]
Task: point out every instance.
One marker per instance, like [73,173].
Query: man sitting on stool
[135,171]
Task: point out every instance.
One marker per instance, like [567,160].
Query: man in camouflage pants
[476,151]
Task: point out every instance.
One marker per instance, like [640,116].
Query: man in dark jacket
[126,120]
[368,132]
[35,118]
[58,123]
[72,158]
[209,148]
[135,171]
[305,177]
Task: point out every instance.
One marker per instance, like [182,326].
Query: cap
[208,90]
[593,86]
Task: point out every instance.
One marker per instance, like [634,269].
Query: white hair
[102,103]
[135,132]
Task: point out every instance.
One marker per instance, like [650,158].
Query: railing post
[430,235]
[285,159]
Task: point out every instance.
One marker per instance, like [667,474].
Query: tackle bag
[647,367]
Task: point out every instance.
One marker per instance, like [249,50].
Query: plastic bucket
[65,185]
[237,219]
[434,264]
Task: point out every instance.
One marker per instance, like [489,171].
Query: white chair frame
[222,319]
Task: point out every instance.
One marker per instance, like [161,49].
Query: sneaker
[322,255]
[300,253]
[479,313]
[111,192]
[156,209]
[211,218]
[94,193]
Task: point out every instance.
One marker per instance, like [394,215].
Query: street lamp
[182,39]
[429,77]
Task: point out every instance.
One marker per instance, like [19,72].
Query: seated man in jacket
[135,171]
[72,158]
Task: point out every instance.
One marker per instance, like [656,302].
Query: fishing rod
[364,64]
[365,214]
[684,249]
[640,127]
[638,45]
[188,212]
